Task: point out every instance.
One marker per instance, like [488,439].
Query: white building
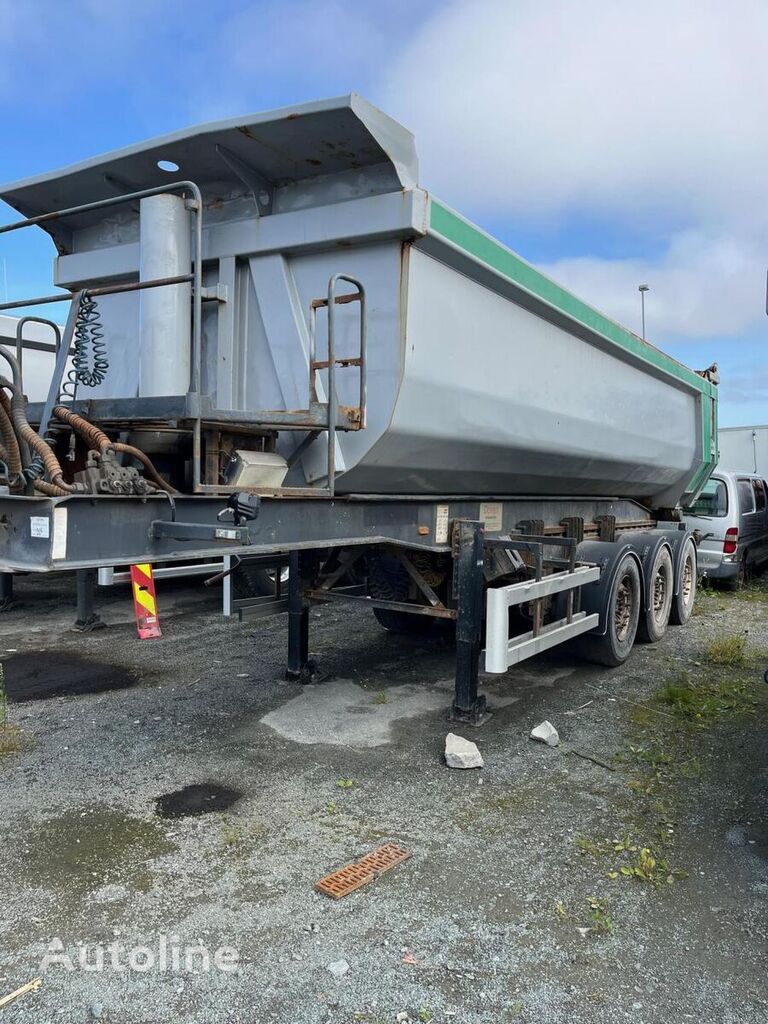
[744,449]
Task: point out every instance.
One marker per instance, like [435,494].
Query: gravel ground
[514,905]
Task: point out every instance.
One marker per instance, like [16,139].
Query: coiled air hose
[90,362]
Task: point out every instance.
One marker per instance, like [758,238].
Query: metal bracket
[162,528]
[256,183]
[218,292]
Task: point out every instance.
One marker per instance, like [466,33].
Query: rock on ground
[461,753]
[546,733]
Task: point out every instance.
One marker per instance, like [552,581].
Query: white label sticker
[441,524]
[222,534]
[39,526]
[59,545]
[490,514]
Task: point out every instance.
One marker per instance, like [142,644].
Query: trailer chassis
[522,550]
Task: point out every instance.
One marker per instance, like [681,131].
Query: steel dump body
[484,377]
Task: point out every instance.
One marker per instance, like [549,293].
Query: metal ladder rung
[323,364]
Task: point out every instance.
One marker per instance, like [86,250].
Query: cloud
[650,119]
[703,286]
[544,108]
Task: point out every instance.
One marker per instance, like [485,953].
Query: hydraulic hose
[11,452]
[146,462]
[36,443]
[96,438]
[52,490]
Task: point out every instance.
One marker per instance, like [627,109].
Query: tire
[654,620]
[615,646]
[251,581]
[388,581]
[683,601]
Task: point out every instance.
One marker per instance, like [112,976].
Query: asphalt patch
[191,801]
[38,675]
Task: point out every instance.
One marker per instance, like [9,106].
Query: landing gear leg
[6,592]
[87,620]
[300,668]
[468,578]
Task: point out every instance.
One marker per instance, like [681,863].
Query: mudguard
[606,554]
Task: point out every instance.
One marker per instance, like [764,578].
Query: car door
[711,514]
[748,521]
[761,502]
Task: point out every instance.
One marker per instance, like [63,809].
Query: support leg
[87,619]
[6,592]
[299,666]
[468,589]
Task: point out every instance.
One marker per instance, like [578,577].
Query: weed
[12,739]
[235,834]
[601,923]
[3,700]
[593,847]
[425,1014]
[598,919]
[647,867]
[332,807]
[727,650]
[380,697]
[345,783]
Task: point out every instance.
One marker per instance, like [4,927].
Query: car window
[746,496]
[712,502]
[757,487]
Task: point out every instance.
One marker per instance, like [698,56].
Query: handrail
[36,345]
[196,207]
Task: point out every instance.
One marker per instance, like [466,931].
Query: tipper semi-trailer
[279,345]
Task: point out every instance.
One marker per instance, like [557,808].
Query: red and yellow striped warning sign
[145,601]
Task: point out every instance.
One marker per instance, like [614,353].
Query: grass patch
[727,650]
[12,737]
[702,701]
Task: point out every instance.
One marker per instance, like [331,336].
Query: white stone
[338,969]
[461,753]
[546,733]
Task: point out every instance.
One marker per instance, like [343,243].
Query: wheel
[653,623]
[683,600]
[388,581]
[623,613]
[252,581]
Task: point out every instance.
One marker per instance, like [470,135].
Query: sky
[609,143]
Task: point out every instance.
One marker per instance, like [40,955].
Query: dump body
[484,377]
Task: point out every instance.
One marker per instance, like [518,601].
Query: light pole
[643,288]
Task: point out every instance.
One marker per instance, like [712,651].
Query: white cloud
[702,287]
[652,118]
[547,107]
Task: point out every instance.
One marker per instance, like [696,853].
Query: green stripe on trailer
[444,221]
[485,249]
